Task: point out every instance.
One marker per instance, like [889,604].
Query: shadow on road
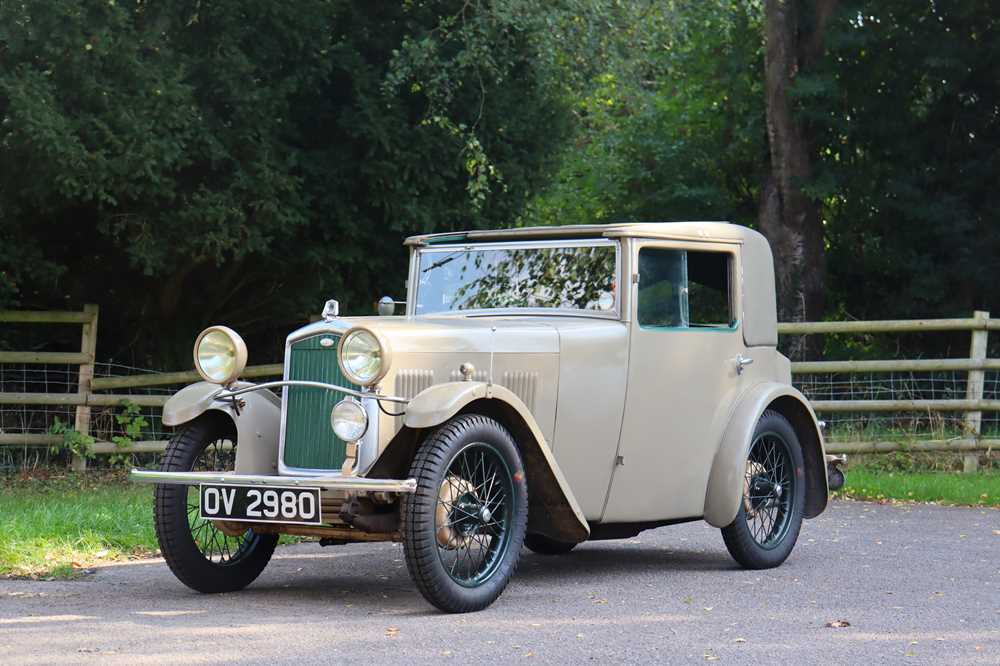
[371,580]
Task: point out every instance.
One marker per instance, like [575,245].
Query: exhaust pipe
[834,475]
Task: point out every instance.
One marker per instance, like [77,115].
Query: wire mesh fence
[908,425]
[34,419]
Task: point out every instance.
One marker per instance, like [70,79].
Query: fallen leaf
[837,624]
[391,632]
[76,565]
[600,601]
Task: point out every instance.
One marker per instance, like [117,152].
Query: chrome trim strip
[319,385]
[325,482]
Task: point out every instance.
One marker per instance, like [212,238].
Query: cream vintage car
[545,387]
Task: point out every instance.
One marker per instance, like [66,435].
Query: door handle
[741,362]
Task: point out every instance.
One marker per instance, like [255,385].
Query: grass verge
[980,489]
[57,527]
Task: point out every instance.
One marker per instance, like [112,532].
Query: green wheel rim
[769,489]
[474,510]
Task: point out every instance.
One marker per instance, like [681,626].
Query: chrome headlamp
[363,356]
[349,420]
[220,355]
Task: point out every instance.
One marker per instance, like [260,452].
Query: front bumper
[332,482]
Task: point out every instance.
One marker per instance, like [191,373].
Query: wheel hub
[458,513]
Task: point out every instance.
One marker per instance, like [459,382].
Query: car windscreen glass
[567,277]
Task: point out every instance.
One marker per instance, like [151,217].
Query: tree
[241,161]
[671,130]
[789,216]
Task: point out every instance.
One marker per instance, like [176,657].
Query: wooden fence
[89,388]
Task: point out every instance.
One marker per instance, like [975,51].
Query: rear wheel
[546,546]
[770,514]
[201,555]
[464,526]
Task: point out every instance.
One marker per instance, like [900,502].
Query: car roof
[704,231]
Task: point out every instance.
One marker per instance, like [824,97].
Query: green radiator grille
[309,440]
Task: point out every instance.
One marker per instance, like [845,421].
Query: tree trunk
[790,219]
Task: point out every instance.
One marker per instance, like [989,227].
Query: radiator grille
[309,440]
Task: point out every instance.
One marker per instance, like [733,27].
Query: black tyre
[546,546]
[464,526]
[770,514]
[202,556]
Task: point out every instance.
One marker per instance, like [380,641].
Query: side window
[662,288]
[684,289]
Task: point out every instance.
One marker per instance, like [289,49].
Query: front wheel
[464,526]
[770,514]
[201,555]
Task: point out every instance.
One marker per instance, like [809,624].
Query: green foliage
[675,130]
[193,162]
[132,422]
[241,161]
[73,441]
[905,104]
[902,111]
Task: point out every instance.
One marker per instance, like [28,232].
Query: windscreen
[564,277]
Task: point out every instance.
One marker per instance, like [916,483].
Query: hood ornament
[331,310]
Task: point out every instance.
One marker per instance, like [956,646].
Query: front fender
[725,484]
[257,421]
[554,510]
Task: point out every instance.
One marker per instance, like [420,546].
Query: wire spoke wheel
[464,526]
[472,515]
[215,545]
[768,489]
[205,555]
[769,516]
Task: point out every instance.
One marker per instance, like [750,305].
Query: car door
[683,377]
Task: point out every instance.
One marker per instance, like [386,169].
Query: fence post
[88,345]
[974,387]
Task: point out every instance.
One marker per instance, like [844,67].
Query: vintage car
[545,387]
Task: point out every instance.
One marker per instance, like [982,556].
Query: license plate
[260,504]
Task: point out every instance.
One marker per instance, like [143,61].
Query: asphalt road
[918,584]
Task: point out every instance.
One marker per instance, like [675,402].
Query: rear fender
[257,418]
[725,484]
[553,509]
